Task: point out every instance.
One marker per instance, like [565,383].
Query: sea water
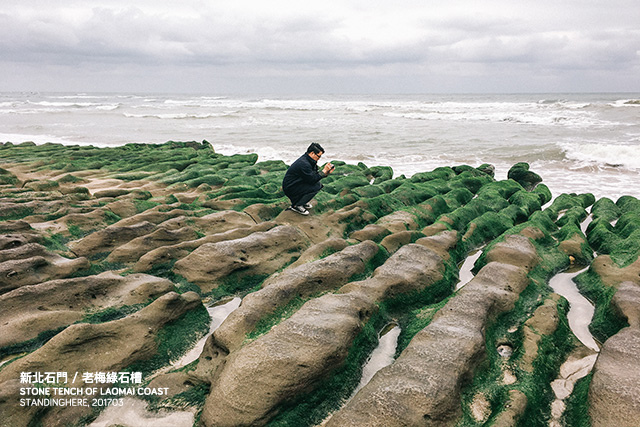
[576,142]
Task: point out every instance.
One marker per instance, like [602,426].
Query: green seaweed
[576,413]
[552,352]
[175,338]
[414,311]
[521,174]
[97,267]
[165,270]
[282,313]
[606,320]
[237,283]
[18,212]
[32,344]
[605,209]
[111,313]
[56,242]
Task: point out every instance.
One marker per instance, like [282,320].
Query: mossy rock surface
[211,226]
[521,174]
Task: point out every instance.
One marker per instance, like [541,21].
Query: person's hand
[328,168]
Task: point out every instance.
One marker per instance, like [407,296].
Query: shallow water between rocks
[575,367]
[134,413]
[218,315]
[465,275]
[382,355]
[580,311]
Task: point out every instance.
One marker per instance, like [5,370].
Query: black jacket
[302,177]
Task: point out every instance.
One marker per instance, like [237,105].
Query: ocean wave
[550,118]
[64,104]
[607,155]
[10,111]
[417,116]
[178,116]
[299,105]
[625,103]
[108,107]
[202,101]
[412,108]
[552,101]
[79,96]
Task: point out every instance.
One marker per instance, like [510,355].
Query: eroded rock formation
[107,256]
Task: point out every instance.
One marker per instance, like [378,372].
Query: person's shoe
[300,210]
[307,206]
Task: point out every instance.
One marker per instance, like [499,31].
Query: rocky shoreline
[110,256]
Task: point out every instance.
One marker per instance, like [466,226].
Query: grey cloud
[418,37]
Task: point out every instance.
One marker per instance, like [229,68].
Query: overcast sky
[326,46]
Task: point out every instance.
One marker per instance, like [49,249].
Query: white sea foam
[522,113]
[64,104]
[79,96]
[109,107]
[176,116]
[609,155]
[626,103]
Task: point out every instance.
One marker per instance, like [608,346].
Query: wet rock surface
[613,394]
[305,347]
[423,384]
[107,256]
[301,281]
[31,310]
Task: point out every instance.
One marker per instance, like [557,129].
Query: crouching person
[302,181]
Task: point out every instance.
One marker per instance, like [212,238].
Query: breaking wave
[605,155]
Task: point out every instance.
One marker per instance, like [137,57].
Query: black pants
[300,200]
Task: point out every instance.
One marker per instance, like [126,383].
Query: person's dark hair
[315,148]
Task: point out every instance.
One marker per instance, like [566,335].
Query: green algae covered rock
[438,173]
[457,197]
[605,209]
[522,175]
[380,173]
[271,166]
[488,169]
[544,193]
[411,193]
[621,241]
[504,189]
[459,208]
[574,215]
[472,181]
[368,191]
[628,204]
[529,202]
[347,182]
[572,240]
[382,205]
[565,202]
[487,226]
[42,185]
[389,185]
[7,177]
